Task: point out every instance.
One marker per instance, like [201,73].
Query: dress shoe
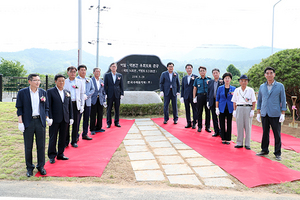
[194,126]
[238,146]
[227,142]
[86,138]
[108,126]
[248,147]
[93,132]
[101,130]
[29,172]
[278,158]
[165,122]
[175,122]
[223,142]
[199,129]
[215,135]
[42,171]
[52,160]
[188,126]
[208,130]
[62,158]
[118,125]
[262,153]
[75,145]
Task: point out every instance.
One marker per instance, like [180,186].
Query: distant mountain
[46,61]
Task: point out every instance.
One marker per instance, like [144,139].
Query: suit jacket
[113,89]
[89,89]
[271,103]
[60,111]
[210,90]
[79,91]
[187,89]
[165,83]
[98,92]
[221,98]
[24,107]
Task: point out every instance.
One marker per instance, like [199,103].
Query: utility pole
[98,26]
[273,24]
[79,33]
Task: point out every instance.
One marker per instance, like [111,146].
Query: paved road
[12,190]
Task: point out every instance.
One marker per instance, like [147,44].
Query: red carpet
[287,141]
[91,157]
[243,164]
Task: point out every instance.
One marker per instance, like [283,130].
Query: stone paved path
[156,155]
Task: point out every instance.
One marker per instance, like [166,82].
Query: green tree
[233,70]
[12,68]
[287,66]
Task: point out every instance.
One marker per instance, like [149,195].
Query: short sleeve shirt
[241,97]
[201,84]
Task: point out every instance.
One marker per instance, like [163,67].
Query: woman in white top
[243,104]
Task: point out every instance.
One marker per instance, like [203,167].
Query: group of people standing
[62,107]
[225,101]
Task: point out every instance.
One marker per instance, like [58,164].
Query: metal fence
[11,85]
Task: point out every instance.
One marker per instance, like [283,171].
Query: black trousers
[201,102]
[74,133]
[167,99]
[96,113]
[215,118]
[226,133]
[187,103]
[276,127]
[59,129]
[86,116]
[36,129]
[110,102]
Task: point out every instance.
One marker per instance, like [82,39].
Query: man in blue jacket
[271,107]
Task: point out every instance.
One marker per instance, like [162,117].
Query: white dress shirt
[171,76]
[98,83]
[61,93]
[189,78]
[241,97]
[114,76]
[35,102]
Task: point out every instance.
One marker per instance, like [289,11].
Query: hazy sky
[159,27]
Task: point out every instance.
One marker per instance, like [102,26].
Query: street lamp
[273,24]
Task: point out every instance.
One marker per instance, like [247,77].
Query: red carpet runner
[243,164]
[287,141]
[91,157]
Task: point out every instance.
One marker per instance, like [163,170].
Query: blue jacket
[187,89]
[89,90]
[273,103]
[98,91]
[165,83]
[24,107]
[221,98]
[210,91]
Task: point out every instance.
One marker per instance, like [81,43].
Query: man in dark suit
[211,98]
[32,110]
[169,87]
[113,86]
[61,112]
[98,101]
[187,96]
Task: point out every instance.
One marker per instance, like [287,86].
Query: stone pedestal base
[140,97]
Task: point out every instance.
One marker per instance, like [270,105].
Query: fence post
[46,82]
[1,89]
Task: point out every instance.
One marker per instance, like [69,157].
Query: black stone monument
[140,72]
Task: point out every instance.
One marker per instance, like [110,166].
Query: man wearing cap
[271,107]
[243,104]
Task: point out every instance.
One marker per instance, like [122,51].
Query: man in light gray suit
[98,101]
[271,107]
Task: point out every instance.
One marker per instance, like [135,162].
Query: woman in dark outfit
[224,107]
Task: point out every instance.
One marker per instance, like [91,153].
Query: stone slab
[144,123]
[134,130]
[189,153]
[139,148]
[168,135]
[133,136]
[141,156]
[210,171]
[154,132]
[144,165]
[160,144]
[164,151]
[134,142]
[174,140]
[143,119]
[149,175]
[195,162]
[184,180]
[148,128]
[170,159]
[155,138]
[181,146]
[218,182]
[177,169]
